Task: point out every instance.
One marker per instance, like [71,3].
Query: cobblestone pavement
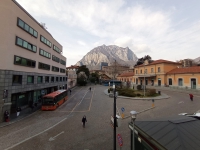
[65,127]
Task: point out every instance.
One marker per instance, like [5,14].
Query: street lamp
[133,117]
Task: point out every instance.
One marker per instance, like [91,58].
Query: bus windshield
[47,101]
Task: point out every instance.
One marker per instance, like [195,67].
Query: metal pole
[114,133]
[133,138]
[144,81]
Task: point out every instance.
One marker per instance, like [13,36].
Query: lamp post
[144,81]
[114,132]
[133,117]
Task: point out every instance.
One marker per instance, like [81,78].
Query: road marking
[40,132]
[53,138]
[91,100]
[180,102]
[82,98]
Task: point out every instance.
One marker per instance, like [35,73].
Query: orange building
[188,77]
[154,73]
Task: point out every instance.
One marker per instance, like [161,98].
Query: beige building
[72,76]
[31,60]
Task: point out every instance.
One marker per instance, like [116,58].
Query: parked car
[194,115]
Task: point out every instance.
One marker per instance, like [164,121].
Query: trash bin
[159,92]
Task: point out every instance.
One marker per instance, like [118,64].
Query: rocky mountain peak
[123,56]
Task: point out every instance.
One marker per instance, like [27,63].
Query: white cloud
[81,43]
[142,28]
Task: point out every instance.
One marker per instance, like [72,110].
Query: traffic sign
[120,141]
[123,109]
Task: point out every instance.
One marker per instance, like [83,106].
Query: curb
[163,96]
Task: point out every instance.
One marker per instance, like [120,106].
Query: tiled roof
[127,74]
[160,61]
[195,69]
[73,67]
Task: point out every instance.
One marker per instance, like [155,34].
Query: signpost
[123,110]
[120,141]
[152,102]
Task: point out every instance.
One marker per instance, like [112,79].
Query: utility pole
[114,109]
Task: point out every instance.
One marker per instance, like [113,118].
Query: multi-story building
[72,76]
[31,60]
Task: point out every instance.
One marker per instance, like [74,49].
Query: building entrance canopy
[146,76]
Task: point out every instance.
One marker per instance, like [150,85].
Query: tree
[141,60]
[94,77]
[81,80]
[83,69]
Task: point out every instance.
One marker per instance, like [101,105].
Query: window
[22,43]
[39,79]
[55,48]
[170,81]
[137,81]
[30,79]
[180,82]
[52,79]
[56,79]
[46,79]
[60,78]
[43,66]
[62,70]
[63,78]
[45,54]
[17,80]
[140,71]
[24,62]
[55,69]
[62,62]
[136,72]
[45,41]
[151,70]
[54,58]
[146,71]
[158,69]
[26,27]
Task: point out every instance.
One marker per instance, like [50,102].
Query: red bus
[53,100]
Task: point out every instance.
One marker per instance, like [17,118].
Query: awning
[146,76]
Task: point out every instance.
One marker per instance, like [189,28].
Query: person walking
[90,88]
[6,116]
[84,120]
[70,91]
[18,111]
[191,97]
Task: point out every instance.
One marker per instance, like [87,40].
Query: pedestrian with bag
[18,111]
[191,97]
[84,120]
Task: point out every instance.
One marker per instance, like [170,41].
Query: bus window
[47,101]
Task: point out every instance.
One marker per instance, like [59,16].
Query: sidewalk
[162,96]
[23,114]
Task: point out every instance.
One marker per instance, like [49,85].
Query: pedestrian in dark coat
[191,97]
[70,91]
[6,116]
[90,88]
[18,111]
[84,120]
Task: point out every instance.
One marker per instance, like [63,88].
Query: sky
[163,29]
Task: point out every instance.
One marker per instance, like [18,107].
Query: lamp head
[133,114]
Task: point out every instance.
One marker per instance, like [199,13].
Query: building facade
[31,60]
[72,76]
[154,73]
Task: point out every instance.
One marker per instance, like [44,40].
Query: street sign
[123,109]
[120,141]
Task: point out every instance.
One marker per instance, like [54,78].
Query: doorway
[193,83]
[159,82]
